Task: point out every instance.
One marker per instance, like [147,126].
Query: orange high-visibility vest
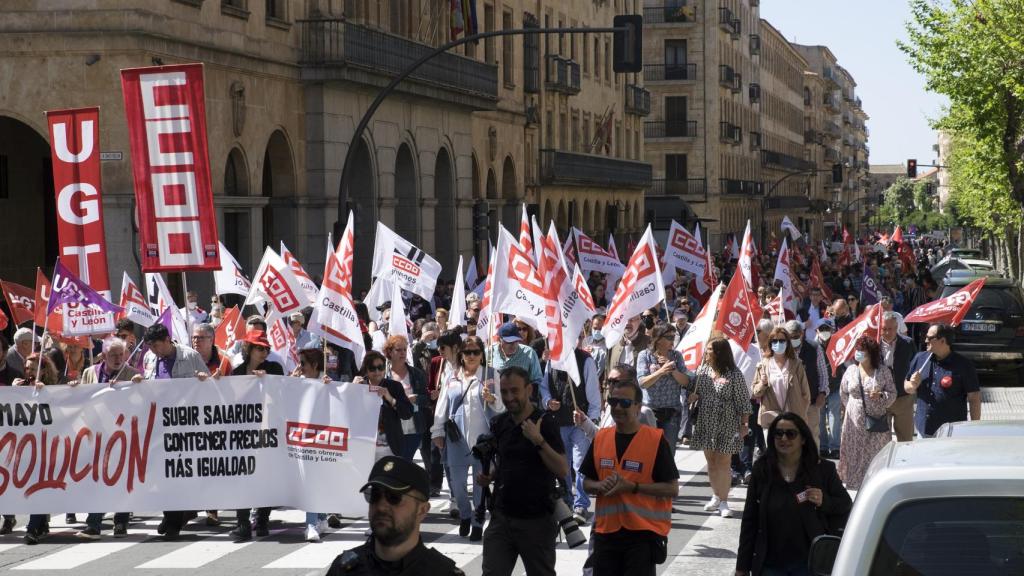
[627,510]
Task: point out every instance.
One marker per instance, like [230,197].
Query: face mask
[796,342]
[431,344]
[859,356]
[192,305]
[649,322]
[779,348]
[824,336]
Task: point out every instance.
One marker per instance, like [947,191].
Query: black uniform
[420,561]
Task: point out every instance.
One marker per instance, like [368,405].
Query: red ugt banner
[166,117]
[75,146]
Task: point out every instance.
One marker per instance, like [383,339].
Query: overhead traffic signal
[628,44]
[912,168]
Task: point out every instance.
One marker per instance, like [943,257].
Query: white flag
[683,251]
[525,241]
[539,235]
[397,323]
[788,226]
[569,305]
[282,341]
[334,315]
[641,288]
[276,284]
[457,313]
[397,260]
[702,280]
[785,275]
[745,256]
[595,258]
[516,287]
[229,279]
[484,328]
[691,346]
[611,247]
[308,286]
[472,274]
[135,307]
[746,360]
[159,298]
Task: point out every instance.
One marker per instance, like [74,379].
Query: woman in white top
[469,401]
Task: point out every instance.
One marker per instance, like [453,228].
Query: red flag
[42,298]
[907,261]
[3,320]
[949,310]
[21,300]
[845,258]
[840,347]
[735,315]
[818,280]
[166,113]
[847,239]
[75,151]
[897,236]
[231,328]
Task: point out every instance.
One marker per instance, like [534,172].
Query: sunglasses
[779,341]
[375,368]
[789,433]
[621,402]
[618,381]
[374,494]
[472,352]
[260,349]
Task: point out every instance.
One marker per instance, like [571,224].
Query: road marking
[321,554]
[195,555]
[74,556]
[6,547]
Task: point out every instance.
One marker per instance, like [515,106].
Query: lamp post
[764,199]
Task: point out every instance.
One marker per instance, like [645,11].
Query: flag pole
[46,322]
[188,313]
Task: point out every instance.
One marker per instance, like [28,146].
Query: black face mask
[648,322]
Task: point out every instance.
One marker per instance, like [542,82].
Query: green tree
[898,201]
[972,52]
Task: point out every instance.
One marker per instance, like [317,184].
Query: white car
[934,507]
[981,428]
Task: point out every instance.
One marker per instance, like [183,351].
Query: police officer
[397,492]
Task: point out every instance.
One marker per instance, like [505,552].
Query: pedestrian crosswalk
[282,553]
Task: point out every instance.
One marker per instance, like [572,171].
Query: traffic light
[628,44]
[912,168]
[837,173]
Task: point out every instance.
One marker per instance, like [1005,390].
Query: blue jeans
[95,519]
[670,428]
[576,445]
[831,414]
[460,460]
[410,444]
[312,518]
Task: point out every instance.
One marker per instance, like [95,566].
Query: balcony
[561,167]
[831,76]
[660,72]
[847,118]
[831,155]
[740,187]
[832,130]
[755,140]
[730,133]
[728,22]
[831,103]
[787,202]
[812,137]
[688,189]
[671,129]
[561,75]
[729,78]
[638,100]
[755,93]
[755,44]
[772,159]
[668,14]
[333,49]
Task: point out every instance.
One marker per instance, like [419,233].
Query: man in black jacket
[897,352]
[397,494]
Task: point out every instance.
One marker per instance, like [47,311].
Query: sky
[863,36]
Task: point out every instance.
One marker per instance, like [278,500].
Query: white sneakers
[312,534]
[723,510]
[712,504]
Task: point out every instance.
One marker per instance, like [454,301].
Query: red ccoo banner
[75,146]
[166,117]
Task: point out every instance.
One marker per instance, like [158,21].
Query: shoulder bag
[451,429]
[871,423]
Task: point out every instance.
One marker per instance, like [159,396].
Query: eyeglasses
[472,352]
[787,433]
[375,368]
[621,402]
[779,341]
[618,381]
[374,494]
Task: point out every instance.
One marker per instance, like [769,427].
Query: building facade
[730,133]
[485,128]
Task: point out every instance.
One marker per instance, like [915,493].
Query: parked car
[981,428]
[971,253]
[954,263]
[992,332]
[933,507]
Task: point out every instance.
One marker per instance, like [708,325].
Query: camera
[483,450]
[566,523]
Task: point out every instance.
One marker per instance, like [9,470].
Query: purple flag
[68,288]
[870,292]
[166,319]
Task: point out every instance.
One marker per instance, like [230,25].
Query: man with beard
[397,494]
[634,340]
[841,314]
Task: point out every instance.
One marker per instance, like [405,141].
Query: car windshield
[952,537]
[1006,298]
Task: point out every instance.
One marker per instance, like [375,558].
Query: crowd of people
[516,438]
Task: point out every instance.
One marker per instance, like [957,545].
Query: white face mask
[796,342]
[824,336]
[779,348]
[192,305]
[859,356]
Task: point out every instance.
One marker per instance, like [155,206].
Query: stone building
[487,127]
[729,133]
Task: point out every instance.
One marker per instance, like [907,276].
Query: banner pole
[188,313]
[323,342]
[46,323]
